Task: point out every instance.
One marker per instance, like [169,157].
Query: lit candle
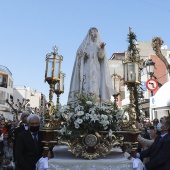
[131,75]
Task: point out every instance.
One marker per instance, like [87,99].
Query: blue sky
[30,28]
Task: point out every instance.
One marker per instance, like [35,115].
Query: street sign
[151,84]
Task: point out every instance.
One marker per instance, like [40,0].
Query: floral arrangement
[88,116]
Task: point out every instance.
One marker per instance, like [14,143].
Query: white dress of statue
[91,72]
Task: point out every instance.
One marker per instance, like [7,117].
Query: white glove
[135,163]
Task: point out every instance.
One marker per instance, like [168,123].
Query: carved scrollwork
[94,145]
[129,118]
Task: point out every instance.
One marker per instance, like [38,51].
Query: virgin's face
[93,34]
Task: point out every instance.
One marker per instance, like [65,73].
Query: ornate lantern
[52,72]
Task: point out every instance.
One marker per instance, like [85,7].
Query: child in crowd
[42,163]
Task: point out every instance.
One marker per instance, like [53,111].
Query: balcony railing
[3,84]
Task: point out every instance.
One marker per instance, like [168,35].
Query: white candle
[131,75]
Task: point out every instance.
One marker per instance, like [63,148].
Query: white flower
[110,132]
[105,123]
[119,115]
[76,125]
[87,116]
[63,130]
[92,110]
[105,117]
[79,121]
[66,107]
[78,108]
[70,115]
[103,108]
[63,115]
[80,113]
[89,102]
[94,117]
[105,128]
[110,117]
[62,110]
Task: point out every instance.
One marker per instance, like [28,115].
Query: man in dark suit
[22,126]
[29,147]
[159,151]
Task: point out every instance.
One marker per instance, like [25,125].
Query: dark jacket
[26,153]
[17,131]
[159,153]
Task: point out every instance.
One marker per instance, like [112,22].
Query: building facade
[36,99]
[6,90]
[160,74]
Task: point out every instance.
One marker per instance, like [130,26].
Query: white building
[6,90]
[160,102]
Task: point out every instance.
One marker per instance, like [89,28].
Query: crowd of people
[154,144]
[6,143]
[20,144]
[24,151]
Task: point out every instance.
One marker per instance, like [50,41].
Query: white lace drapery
[90,73]
[65,160]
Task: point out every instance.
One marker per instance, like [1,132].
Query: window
[9,82]
[2,97]
[3,81]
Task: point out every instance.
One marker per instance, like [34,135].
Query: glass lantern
[131,72]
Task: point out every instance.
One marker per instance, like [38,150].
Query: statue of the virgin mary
[91,72]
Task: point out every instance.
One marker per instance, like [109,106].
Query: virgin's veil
[90,73]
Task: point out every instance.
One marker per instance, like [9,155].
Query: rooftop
[5,68]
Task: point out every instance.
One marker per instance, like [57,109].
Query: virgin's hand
[102,45]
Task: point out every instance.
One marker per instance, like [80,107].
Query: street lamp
[116,85]
[150,65]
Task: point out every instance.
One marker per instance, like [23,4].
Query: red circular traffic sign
[151,84]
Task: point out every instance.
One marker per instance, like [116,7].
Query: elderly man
[159,151]
[28,146]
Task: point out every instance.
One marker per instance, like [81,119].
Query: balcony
[3,84]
